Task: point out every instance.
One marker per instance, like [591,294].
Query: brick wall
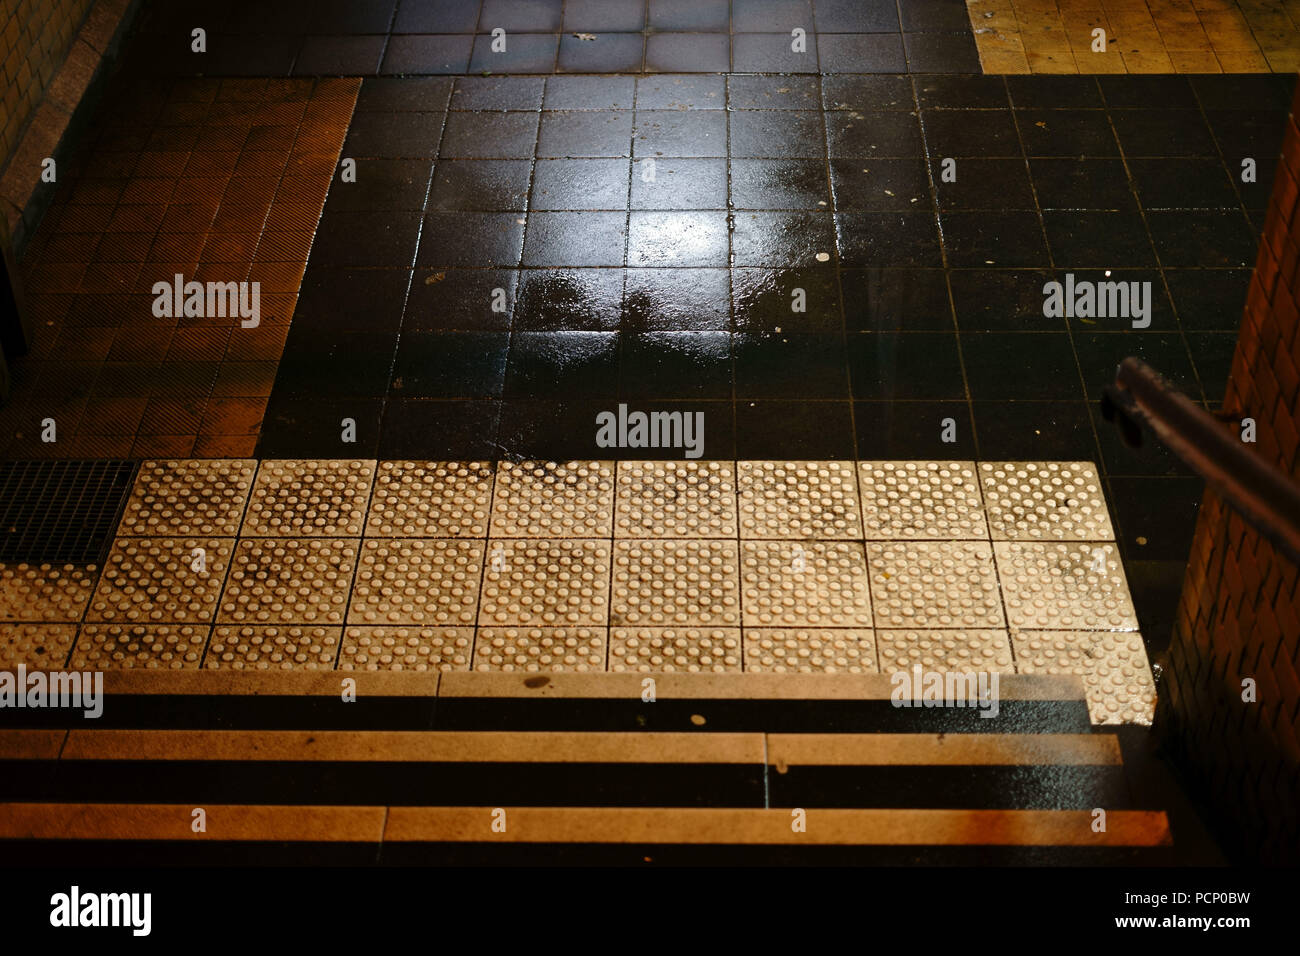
[1239,614]
[35,36]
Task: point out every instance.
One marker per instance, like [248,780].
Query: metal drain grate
[61,512]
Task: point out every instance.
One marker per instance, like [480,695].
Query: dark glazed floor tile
[871,134]
[335,364]
[934,16]
[1212,353]
[580,184]
[581,133]
[673,299]
[1163,132]
[783,239]
[1002,239]
[790,365]
[1150,458]
[394,135]
[900,184]
[606,53]
[893,430]
[791,300]
[339,56]
[363,239]
[876,239]
[535,16]
[690,16]
[1054,92]
[1090,239]
[861,53]
[436,16]
[482,184]
[752,16]
[679,184]
[1240,92]
[562,365]
[435,430]
[489,135]
[776,133]
[1034,431]
[460,365]
[778,184]
[675,365]
[894,300]
[474,299]
[772,92]
[524,53]
[688,92]
[1082,184]
[1073,133]
[773,53]
[332,299]
[876,92]
[677,239]
[950,92]
[1135,91]
[856,16]
[566,429]
[986,184]
[998,300]
[472,240]
[941,53]
[1202,237]
[1156,516]
[794,430]
[905,365]
[1182,183]
[1043,363]
[386,94]
[687,134]
[314,428]
[590,92]
[498,93]
[569,299]
[688,53]
[416,55]
[1209,300]
[962,133]
[382,185]
[607,16]
[575,239]
[1100,354]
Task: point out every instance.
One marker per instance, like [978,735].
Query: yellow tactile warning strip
[789,568]
[1139,36]
[218,181]
[155,821]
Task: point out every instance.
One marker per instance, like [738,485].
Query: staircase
[466,767]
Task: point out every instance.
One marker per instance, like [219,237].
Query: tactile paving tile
[540,649]
[545,499]
[1053,586]
[1116,673]
[417,581]
[694,650]
[44,592]
[43,646]
[780,650]
[965,651]
[934,584]
[798,499]
[804,584]
[152,646]
[675,499]
[1045,500]
[155,580]
[431,499]
[195,496]
[272,648]
[676,582]
[921,499]
[545,583]
[406,649]
[289,581]
[297,498]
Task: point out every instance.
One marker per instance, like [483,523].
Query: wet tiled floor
[764,567]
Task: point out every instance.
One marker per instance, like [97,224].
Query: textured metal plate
[934,584]
[798,499]
[921,499]
[289,581]
[151,646]
[805,584]
[676,583]
[45,592]
[36,645]
[189,497]
[676,499]
[417,581]
[694,650]
[540,649]
[538,499]
[810,651]
[545,583]
[406,648]
[1054,586]
[965,651]
[158,580]
[1045,500]
[301,498]
[60,511]
[1116,673]
[256,647]
[431,499]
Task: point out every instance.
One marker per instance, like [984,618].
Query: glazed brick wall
[1239,614]
[35,36]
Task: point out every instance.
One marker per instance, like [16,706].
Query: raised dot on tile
[417,581]
[431,499]
[195,496]
[285,647]
[921,499]
[134,646]
[540,649]
[676,499]
[1060,586]
[676,582]
[798,499]
[299,498]
[161,580]
[1032,500]
[1116,673]
[804,583]
[45,592]
[406,648]
[964,650]
[692,650]
[934,584]
[542,499]
[545,583]
[288,581]
[809,650]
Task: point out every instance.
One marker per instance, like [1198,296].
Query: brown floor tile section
[1142,36]
[218,180]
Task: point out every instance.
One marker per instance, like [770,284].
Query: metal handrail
[1263,495]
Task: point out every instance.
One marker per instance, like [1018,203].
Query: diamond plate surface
[804,584]
[431,499]
[799,499]
[934,584]
[540,649]
[676,499]
[155,580]
[1116,673]
[406,649]
[676,582]
[780,650]
[36,645]
[289,581]
[694,650]
[1054,586]
[294,498]
[921,499]
[545,583]
[417,581]
[538,499]
[253,647]
[964,651]
[44,592]
[1045,500]
[149,646]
